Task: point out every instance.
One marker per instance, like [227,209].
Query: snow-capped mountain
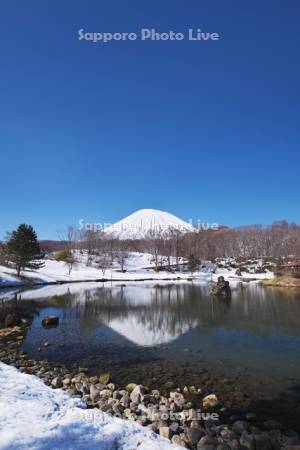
[145,222]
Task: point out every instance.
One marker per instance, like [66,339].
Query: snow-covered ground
[34,416]
[231,275]
[139,266]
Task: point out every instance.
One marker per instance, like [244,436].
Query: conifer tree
[24,249]
[192,263]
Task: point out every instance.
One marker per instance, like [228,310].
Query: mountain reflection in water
[258,328]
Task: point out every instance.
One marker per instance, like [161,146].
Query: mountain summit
[145,222]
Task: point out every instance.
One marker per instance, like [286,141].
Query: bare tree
[121,257]
[69,255]
[90,244]
[176,236]
[154,246]
[104,262]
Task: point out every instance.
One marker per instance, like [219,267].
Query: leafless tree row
[167,249]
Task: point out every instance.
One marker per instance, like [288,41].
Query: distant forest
[279,240]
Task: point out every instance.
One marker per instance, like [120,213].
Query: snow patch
[34,416]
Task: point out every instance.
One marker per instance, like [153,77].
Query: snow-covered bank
[139,267]
[35,416]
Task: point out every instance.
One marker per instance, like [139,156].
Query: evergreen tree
[23,248]
[192,263]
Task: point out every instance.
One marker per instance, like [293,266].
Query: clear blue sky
[205,130]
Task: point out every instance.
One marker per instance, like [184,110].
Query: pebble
[210,401]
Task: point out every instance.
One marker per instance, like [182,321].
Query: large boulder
[50,321]
[222,288]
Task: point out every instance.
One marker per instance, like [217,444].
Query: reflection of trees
[159,311]
[173,309]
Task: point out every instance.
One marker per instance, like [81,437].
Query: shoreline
[98,280]
[136,402]
[31,284]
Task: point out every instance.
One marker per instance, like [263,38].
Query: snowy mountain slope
[34,416]
[139,224]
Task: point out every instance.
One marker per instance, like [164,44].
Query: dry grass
[284,281]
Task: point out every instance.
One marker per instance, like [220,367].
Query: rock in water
[210,401]
[222,288]
[50,321]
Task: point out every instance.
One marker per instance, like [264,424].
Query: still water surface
[160,327]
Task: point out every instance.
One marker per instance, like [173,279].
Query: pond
[153,333]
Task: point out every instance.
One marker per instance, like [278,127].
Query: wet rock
[175,427]
[12,320]
[227,434]
[240,426]
[247,440]
[169,384]
[273,425]
[234,444]
[222,288]
[207,443]
[289,437]
[223,446]
[50,321]
[262,441]
[193,390]
[210,401]
[194,434]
